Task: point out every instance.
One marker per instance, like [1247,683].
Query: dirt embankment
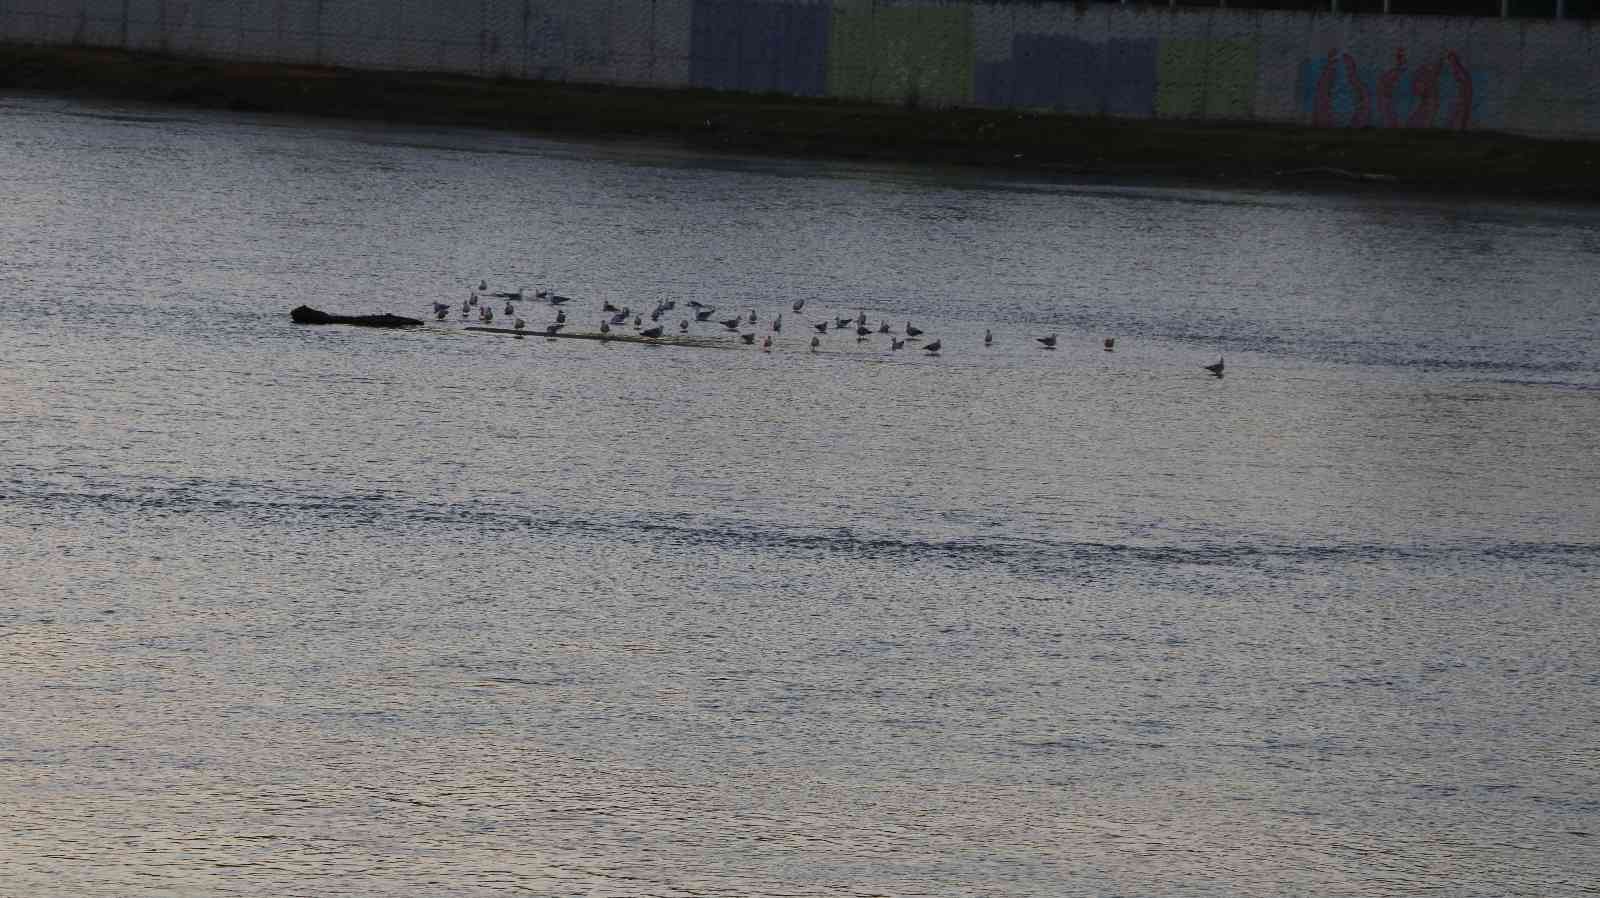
[1490,165]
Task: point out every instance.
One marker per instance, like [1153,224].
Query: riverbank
[1244,155]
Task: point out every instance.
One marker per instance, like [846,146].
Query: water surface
[294,610]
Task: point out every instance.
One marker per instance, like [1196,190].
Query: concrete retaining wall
[1337,71]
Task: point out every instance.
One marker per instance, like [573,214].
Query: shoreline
[1251,156]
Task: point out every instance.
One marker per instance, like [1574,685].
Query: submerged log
[308,315]
[613,337]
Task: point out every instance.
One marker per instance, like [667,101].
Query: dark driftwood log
[308,315]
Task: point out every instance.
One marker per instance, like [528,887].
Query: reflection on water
[347,612]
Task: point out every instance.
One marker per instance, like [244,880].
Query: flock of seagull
[615,316]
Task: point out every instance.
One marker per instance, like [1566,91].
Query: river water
[294,610]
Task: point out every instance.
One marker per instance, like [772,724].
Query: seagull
[557,300]
[488,314]
[509,294]
[987,337]
[749,339]
[440,307]
[766,345]
[638,320]
[465,305]
[799,304]
[605,328]
[1111,344]
[705,313]
[473,300]
[863,331]
[815,342]
[913,331]
[483,285]
[550,330]
[684,325]
[1049,342]
[932,347]
[441,313]
[883,327]
[896,344]
[862,318]
[822,327]
[510,309]
[777,323]
[519,324]
[1215,369]
[697,304]
[651,332]
[608,307]
[752,316]
[561,317]
[731,323]
[842,323]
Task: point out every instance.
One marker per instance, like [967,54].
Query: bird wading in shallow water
[1216,370]
[1048,342]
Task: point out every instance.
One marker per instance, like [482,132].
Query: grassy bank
[1254,155]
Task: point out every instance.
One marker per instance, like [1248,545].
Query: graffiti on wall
[1337,92]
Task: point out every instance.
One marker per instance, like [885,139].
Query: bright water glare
[334,611]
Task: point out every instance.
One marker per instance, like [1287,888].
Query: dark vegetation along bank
[1247,155]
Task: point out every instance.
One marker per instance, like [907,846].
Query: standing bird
[550,330]
[821,326]
[815,342]
[896,344]
[684,325]
[651,332]
[861,319]
[608,307]
[777,323]
[1111,344]
[883,327]
[605,328]
[441,313]
[638,320]
[440,307]
[483,285]
[913,331]
[519,324]
[561,317]
[705,313]
[1049,342]
[1216,370]
[933,348]
[473,300]
[511,309]
[766,345]
[799,304]
[731,323]
[987,337]
[752,316]
[749,339]
[557,300]
[862,331]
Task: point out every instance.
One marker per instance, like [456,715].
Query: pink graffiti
[1425,93]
